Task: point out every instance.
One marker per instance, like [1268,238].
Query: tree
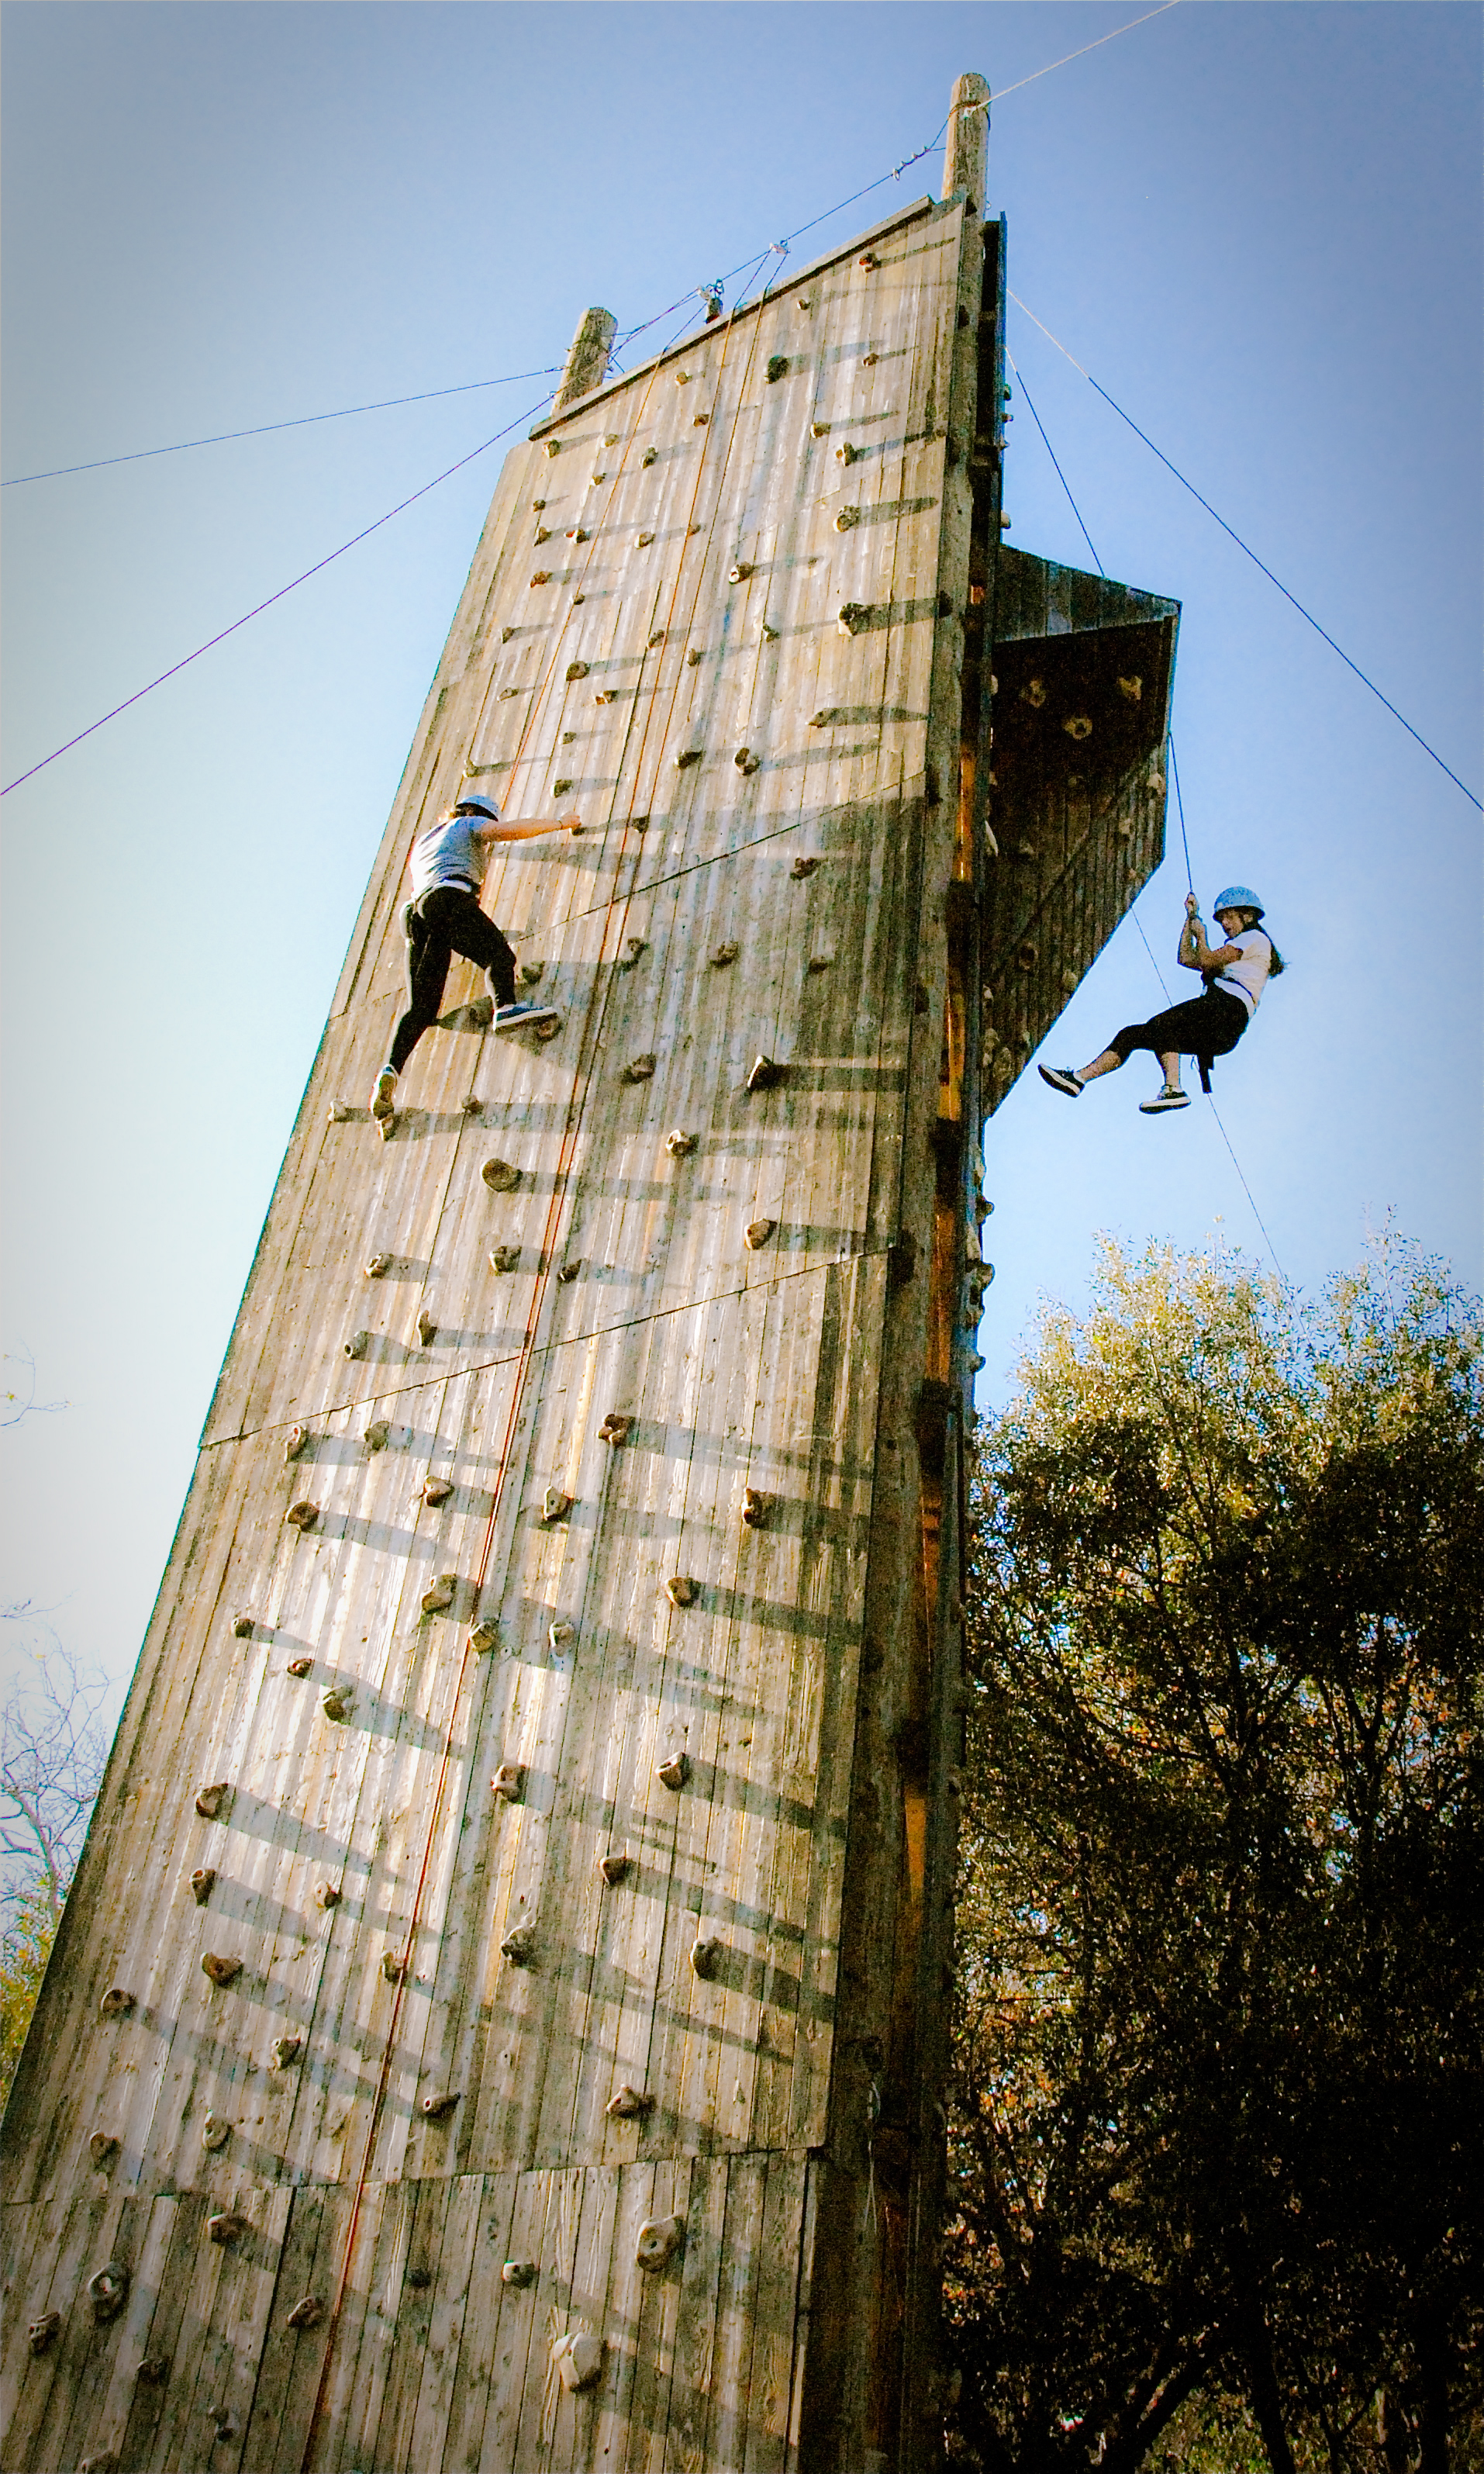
[52,1751]
[1216,2142]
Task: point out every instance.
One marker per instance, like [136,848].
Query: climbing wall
[486,2031]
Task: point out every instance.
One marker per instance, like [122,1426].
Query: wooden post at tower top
[499,2025]
[966,149]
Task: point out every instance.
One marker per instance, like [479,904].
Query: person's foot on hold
[1171,1097]
[384,1097]
[522,1015]
[1061,1079]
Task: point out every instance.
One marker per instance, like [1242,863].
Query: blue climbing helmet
[1237,897]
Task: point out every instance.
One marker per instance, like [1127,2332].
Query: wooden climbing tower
[500,2019]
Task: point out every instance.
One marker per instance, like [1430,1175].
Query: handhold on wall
[659,2239]
[243,1624]
[688,755]
[285,2051]
[804,866]
[651,455]
[755,1508]
[579,533]
[569,1271]
[626,2103]
[616,1427]
[721,955]
[386,1126]
[116,2003]
[504,1258]
[765,1073]
[519,2273]
[222,1971]
[613,1867]
[778,367]
[226,2228]
[472,1104]
[634,946]
[705,1952]
[509,1783]
[606,695]
[1026,955]
[867,260]
[741,571]
[542,534]
[819,962]
[519,1946]
[294,1441]
[845,454]
[674,1771]
[769,635]
[683,378]
[819,428]
[501,1176]
[506,634]
[553,446]
[529,976]
[209,1800]
[376,1435]
[678,1144]
[437,2107]
[746,762]
[699,420]
[45,2332]
[1078,726]
[852,618]
[438,1599]
[227,2426]
[379,1267]
[640,1069]
[301,1515]
[681,1592]
[326,1894]
[202,1880]
[101,2148]
[393,1967]
[561,1634]
[357,1344]
[643,540]
[299,1666]
[108,2291]
[334,1704]
[307,2312]
[757,1233]
[215,2131]
[483,1638]
[542,575]
[340,1113]
[578,2357]
[655,637]
[555,1505]
[868,360]
[428,1328]
[562,785]
[154,2370]
[846,519]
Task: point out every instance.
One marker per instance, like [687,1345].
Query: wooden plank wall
[385,2105]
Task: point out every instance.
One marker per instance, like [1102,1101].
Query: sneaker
[1162,1099]
[523,1016]
[1061,1079]
[384,1097]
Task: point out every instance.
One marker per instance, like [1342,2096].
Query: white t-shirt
[1248,977]
[450,852]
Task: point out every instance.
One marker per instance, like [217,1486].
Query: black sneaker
[1061,1079]
[523,1016]
[1162,1099]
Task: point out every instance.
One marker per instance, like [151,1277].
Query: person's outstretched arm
[525,829]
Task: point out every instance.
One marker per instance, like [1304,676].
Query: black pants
[1204,1026]
[438,925]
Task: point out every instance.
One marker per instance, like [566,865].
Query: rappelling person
[443,918]
[1205,1027]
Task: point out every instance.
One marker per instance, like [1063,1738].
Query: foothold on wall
[579,533]
[867,260]
[1078,726]
[688,755]
[103,2148]
[553,446]
[830,717]
[226,2228]
[699,420]
[674,1771]
[377,1436]
[202,1880]
[634,946]
[561,787]
[683,378]
[506,634]
[209,1800]
[509,1783]
[607,696]
[846,519]
[471,1104]
[868,360]
[519,1946]
[656,638]
[819,428]
[45,2332]
[519,2273]
[549,1028]
[705,1952]
[802,867]
[108,2291]
[393,1967]
[755,1508]
[616,1427]
[307,2312]
[437,2108]
[721,955]
[769,635]
[659,2239]
[778,367]
[285,2051]
[340,1113]
[301,1515]
[643,540]
[326,1894]
[651,455]
[555,1505]
[542,575]
[294,1441]
[504,1258]
[614,1868]
[845,454]
[678,1144]
[1026,956]
[579,2357]
[765,1073]
[1004,524]
[819,962]
[154,2370]
[681,1592]
[639,1069]
[116,2003]
[357,1344]
[626,2103]
[561,1634]
[243,1625]
[852,618]
[757,1233]
[437,1600]
[741,571]
[483,1638]
[501,1176]
[530,975]
[222,1971]
[226,2427]
[428,1328]
[386,1126]
[215,2132]
[334,1704]
[299,1666]
[746,762]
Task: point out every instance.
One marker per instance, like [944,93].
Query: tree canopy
[1216,2148]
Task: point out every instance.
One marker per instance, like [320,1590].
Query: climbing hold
[658,638]
[764,1074]
[626,2103]
[299,1666]
[614,1868]
[386,1126]
[560,787]
[687,756]
[209,1800]
[1069,984]
[819,428]
[202,1880]
[519,2273]
[681,1592]
[222,1971]
[1078,726]
[804,302]
[615,1428]
[241,1625]
[954,1782]
[356,1345]
[215,2132]
[559,1634]
[555,1505]
[334,1704]
[746,762]
[819,962]
[830,717]
[643,540]
[704,1952]
[577,533]
[852,618]
[678,1144]
[607,696]
[741,571]
[542,575]
[683,378]
[506,634]
[45,2332]
[504,1258]
[868,360]
[639,1069]
[674,1771]
[757,1233]
[340,1113]
[379,1267]
[154,2370]
[301,1515]
[651,455]
[549,1028]
[1026,956]
[778,367]
[542,534]
[227,2426]
[294,1441]
[307,2312]
[577,599]
[103,2148]
[553,446]
[700,419]
[578,2357]
[755,1508]
[519,1946]
[437,2107]
[721,955]
[509,1783]
[375,1436]
[108,2291]
[802,867]
[227,2228]
[845,454]
[901,1262]
[116,2003]
[634,946]
[483,1638]
[1131,690]
[1034,693]
[868,259]
[328,1894]
[659,2239]
[428,1328]
[437,1600]
[392,1967]
[1004,524]
[846,519]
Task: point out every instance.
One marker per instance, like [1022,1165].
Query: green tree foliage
[1216,2148]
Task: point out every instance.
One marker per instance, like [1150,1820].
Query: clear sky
[1256,225]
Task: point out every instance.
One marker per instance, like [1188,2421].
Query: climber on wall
[443,918]
[1208,1025]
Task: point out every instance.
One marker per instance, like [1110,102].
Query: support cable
[1060,474]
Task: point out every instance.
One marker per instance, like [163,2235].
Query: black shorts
[1204,1026]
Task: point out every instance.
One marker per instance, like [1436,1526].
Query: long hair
[1277,966]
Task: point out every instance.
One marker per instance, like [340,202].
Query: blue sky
[1256,225]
